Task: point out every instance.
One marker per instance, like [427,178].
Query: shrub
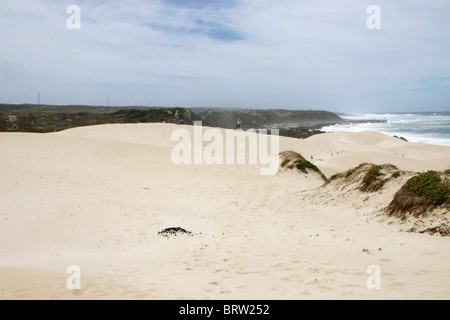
[285,162]
[373,173]
[303,164]
[420,194]
[293,159]
[431,186]
[370,181]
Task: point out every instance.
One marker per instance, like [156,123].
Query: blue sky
[296,54]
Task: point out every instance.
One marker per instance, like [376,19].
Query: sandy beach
[96,197]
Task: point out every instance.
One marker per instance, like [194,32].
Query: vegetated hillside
[57,118]
[257,119]
[49,118]
[43,108]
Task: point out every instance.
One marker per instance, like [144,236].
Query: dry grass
[371,177]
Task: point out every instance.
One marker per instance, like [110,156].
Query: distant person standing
[238,124]
[176,117]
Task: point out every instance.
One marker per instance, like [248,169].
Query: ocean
[424,127]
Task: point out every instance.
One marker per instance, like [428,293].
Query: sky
[287,54]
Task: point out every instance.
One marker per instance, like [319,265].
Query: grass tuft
[285,162]
[371,181]
[396,174]
[303,164]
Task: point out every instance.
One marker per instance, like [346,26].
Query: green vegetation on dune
[369,177]
[352,171]
[285,162]
[291,160]
[370,181]
[377,176]
[431,186]
[421,194]
[396,174]
[303,164]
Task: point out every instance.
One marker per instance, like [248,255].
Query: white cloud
[285,53]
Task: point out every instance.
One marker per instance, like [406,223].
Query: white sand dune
[96,197]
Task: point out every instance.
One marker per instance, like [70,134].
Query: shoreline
[308,129]
[315,125]
[421,127]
